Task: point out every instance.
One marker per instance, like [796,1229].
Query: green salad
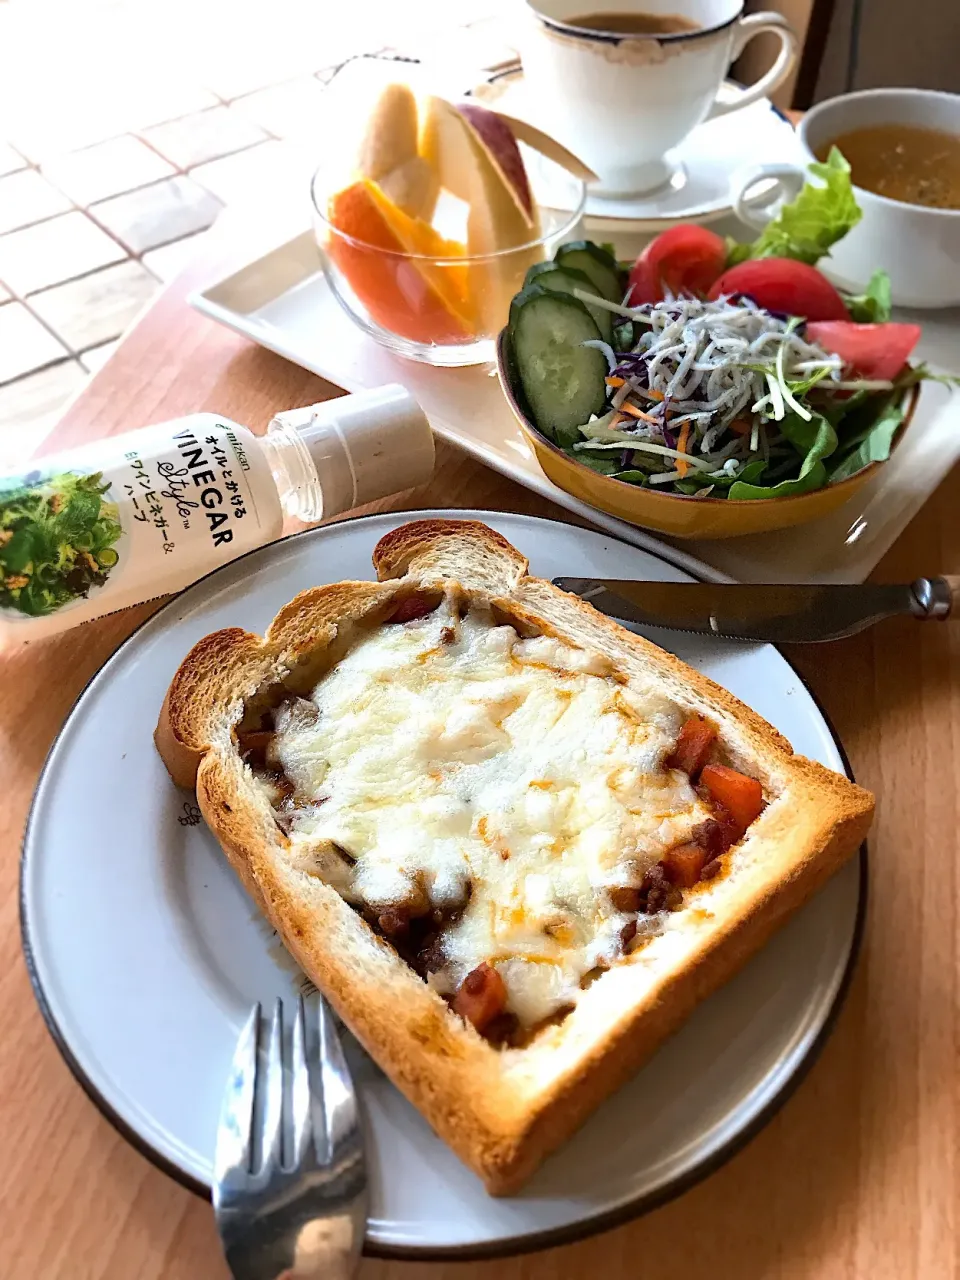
[57,540]
[709,368]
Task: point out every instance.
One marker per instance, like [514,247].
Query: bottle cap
[364,446]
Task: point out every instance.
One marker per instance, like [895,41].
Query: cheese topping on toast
[503,785]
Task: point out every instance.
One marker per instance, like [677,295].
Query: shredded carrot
[683,466]
[741,426]
[614,382]
[637,413]
[654,395]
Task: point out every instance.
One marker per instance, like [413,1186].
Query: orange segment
[418,236]
[417,299]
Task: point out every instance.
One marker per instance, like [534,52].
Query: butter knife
[782,614]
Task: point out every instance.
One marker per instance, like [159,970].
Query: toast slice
[470,804]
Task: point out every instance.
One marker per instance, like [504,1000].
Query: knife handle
[935,599]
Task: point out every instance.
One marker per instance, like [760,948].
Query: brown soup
[903,162]
[634,24]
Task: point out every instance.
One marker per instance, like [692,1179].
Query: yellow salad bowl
[677,514]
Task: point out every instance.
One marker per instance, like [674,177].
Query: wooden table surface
[857,1177]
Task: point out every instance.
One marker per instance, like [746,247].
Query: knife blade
[779,614]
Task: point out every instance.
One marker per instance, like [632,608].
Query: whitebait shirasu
[720,358]
[725,373]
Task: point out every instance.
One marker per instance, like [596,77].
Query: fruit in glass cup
[437,226]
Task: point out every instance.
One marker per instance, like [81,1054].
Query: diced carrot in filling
[693,746]
[683,864]
[482,996]
[741,796]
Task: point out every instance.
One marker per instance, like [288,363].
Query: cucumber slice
[562,380]
[564,280]
[585,256]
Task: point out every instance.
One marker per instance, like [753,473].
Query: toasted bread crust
[502,1111]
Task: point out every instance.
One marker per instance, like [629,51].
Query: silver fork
[290,1185]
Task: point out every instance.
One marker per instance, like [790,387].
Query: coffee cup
[918,246]
[622,97]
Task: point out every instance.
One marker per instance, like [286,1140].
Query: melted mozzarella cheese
[451,757]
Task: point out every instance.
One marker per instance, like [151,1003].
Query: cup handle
[756,211]
[752,25]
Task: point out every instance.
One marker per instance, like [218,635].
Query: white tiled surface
[106,169]
[27,197]
[58,249]
[24,342]
[170,260]
[163,111]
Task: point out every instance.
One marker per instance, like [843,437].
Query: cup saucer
[701,166]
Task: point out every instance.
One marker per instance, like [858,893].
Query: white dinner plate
[146,954]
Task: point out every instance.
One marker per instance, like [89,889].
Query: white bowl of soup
[903,146]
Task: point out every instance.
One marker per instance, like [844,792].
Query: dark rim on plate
[511,1245]
[516,400]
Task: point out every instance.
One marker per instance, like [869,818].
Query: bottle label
[134,516]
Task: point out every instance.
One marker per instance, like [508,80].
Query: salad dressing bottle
[141,515]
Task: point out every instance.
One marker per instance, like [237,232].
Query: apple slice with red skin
[497,140]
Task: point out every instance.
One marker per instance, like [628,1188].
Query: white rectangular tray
[281,301]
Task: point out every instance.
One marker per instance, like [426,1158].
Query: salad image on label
[58,540]
[717,369]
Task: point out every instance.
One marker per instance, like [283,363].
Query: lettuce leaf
[749,474]
[814,441]
[875,304]
[815,478]
[565,436]
[819,217]
[607,464]
[873,446]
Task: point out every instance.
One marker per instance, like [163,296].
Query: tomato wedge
[872,350]
[680,260]
[783,285]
